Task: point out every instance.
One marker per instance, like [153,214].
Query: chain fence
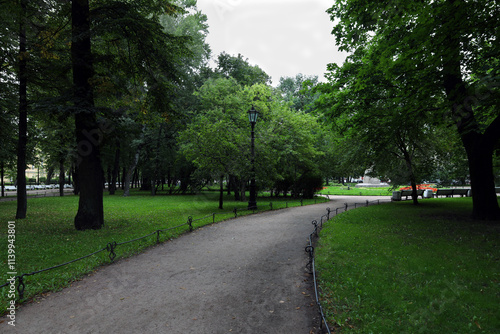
[313,237]
[112,246]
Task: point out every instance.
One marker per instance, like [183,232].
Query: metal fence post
[20,287]
[110,247]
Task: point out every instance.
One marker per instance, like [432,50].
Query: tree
[443,50]
[136,61]
[290,141]
[22,198]
[217,139]
[396,135]
[148,67]
[90,213]
[241,70]
[8,106]
[214,139]
[299,91]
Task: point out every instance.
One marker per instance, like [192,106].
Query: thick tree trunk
[478,145]
[90,213]
[484,199]
[22,197]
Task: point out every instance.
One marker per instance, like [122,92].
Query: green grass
[399,268]
[352,190]
[47,236]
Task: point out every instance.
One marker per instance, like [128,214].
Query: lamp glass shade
[252,115]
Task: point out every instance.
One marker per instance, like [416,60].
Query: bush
[308,184]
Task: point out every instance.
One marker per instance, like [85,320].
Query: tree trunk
[479,146]
[116,169]
[221,193]
[61,177]
[235,182]
[50,173]
[409,165]
[22,197]
[156,171]
[124,176]
[128,175]
[243,189]
[1,178]
[484,199]
[90,213]
[76,182]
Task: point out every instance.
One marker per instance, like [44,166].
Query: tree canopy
[434,61]
[120,93]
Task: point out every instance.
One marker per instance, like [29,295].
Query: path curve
[245,275]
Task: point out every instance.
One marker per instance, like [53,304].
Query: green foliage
[415,69]
[239,69]
[397,268]
[299,91]
[192,23]
[308,184]
[217,139]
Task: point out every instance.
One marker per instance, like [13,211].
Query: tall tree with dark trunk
[88,136]
[446,50]
[478,144]
[22,202]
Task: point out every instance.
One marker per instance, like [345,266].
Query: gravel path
[245,275]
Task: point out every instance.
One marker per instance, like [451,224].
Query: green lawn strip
[400,268]
[352,190]
[47,236]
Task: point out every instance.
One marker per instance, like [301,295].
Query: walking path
[245,275]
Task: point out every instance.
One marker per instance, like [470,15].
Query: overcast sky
[283,37]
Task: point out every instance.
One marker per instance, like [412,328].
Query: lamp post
[252,117]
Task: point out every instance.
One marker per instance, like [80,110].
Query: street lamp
[252,117]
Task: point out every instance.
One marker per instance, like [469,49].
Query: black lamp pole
[252,203]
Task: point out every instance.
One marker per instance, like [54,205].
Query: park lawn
[352,190]
[400,268]
[47,236]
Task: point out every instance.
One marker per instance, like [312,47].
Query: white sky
[283,37]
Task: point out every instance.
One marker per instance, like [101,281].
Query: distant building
[33,175]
